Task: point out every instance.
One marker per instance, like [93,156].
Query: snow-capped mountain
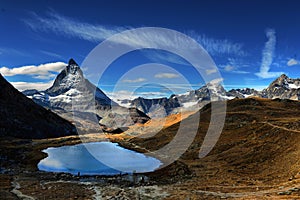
[156,108]
[243,93]
[72,93]
[191,100]
[283,88]
[69,85]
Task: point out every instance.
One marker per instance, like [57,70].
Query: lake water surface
[96,158]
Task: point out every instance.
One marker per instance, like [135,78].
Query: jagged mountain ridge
[283,88]
[22,118]
[70,84]
[71,95]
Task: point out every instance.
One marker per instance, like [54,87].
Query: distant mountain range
[77,100]
[70,86]
[283,88]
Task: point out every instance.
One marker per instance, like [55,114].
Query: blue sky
[251,42]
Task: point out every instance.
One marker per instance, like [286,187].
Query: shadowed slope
[21,117]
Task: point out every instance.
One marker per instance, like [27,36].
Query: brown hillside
[259,145]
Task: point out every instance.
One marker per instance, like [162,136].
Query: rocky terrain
[22,118]
[283,87]
[256,157]
[77,99]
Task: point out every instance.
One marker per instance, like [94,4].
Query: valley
[256,156]
[149,100]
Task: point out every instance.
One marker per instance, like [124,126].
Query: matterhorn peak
[72,62]
[68,78]
[73,67]
[283,76]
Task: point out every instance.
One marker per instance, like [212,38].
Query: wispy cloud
[267,56]
[43,71]
[138,80]
[166,75]
[228,68]
[216,81]
[51,54]
[126,94]
[13,51]
[236,66]
[234,69]
[292,62]
[122,94]
[160,56]
[32,85]
[218,46]
[70,27]
[210,71]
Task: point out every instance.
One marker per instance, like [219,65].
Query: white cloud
[240,72]
[218,46]
[138,80]
[228,68]
[292,62]
[43,71]
[13,51]
[119,95]
[233,69]
[29,85]
[216,81]
[51,54]
[159,57]
[210,71]
[166,75]
[69,27]
[267,56]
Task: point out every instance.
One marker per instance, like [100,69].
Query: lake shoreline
[32,150]
[97,158]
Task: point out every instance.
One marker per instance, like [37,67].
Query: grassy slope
[257,153]
[259,144]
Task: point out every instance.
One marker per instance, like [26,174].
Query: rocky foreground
[256,157]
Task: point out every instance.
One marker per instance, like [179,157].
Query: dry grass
[256,157]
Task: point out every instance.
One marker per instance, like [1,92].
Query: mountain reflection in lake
[96,158]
